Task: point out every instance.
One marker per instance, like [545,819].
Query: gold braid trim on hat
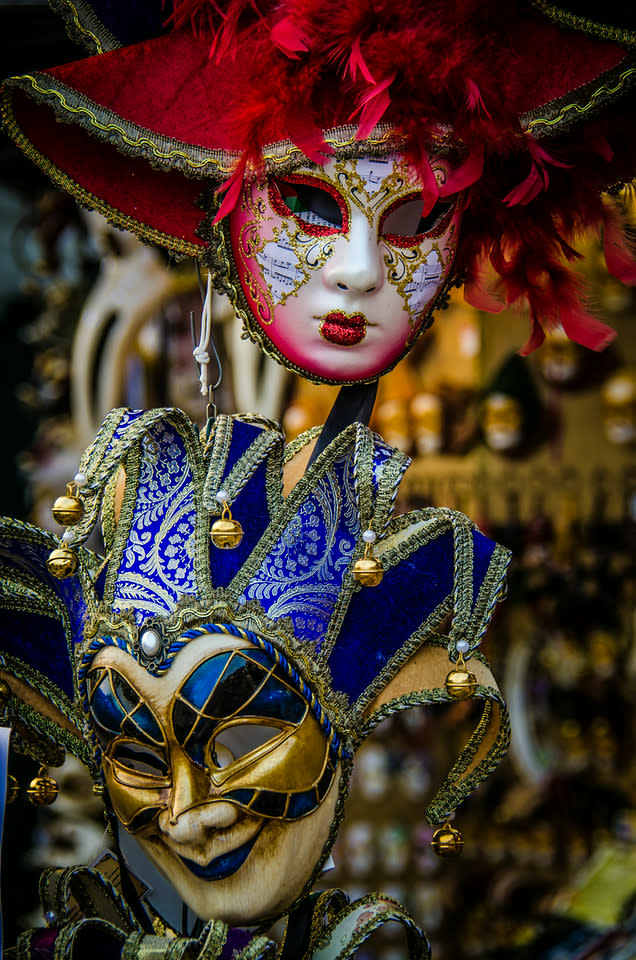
[568,19]
[554,118]
[163,152]
[85,197]
[83,26]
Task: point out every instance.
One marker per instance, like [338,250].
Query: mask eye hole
[141,760]
[403,221]
[315,205]
[239,740]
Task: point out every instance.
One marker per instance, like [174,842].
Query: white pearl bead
[221,496]
[463,646]
[79,479]
[68,536]
[369,536]
[150,642]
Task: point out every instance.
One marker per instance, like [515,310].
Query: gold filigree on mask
[404,264]
[249,247]
[326,230]
[253,203]
[373,193]
[292,255]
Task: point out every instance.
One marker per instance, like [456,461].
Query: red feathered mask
[536,115]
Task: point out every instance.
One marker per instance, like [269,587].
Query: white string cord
[200,352]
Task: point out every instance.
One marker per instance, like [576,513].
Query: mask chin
[283,861]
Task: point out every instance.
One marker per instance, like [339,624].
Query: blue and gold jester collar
[356,654]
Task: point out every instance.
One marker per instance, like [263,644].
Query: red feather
[586,329]
[464,175]
[477,294]
[538,179]
[232,189]
[289,38]
[536,338]
[473,97]
[373,106]
[357,62]
[523,205]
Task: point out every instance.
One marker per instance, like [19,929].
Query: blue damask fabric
[157,567]
[379,620]
[299,553]
[301,576]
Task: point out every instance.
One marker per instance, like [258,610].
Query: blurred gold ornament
[428,426]
[618,397]
[502,420]
[5,694]
[42,790]
[559,357]
[13,789]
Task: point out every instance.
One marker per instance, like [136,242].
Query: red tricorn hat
[535,110]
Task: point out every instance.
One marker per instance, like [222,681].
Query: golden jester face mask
[339,266]
[221,772]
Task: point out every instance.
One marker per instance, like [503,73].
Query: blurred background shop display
[538,451]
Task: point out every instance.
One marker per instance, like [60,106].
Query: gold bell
[42,790]
[69,509]
[226,533]
[368,570]
[447,842]
[460,683]
[13,789]
[62,563]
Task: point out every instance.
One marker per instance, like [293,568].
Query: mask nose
[357,264]
[189,826]
[190,807]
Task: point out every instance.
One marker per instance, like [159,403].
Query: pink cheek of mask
[246,233]
[289,326]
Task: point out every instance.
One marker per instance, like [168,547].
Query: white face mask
[339,267]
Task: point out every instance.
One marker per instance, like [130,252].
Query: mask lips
[224,865]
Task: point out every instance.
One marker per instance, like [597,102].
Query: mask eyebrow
[117,708]
[232,686]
